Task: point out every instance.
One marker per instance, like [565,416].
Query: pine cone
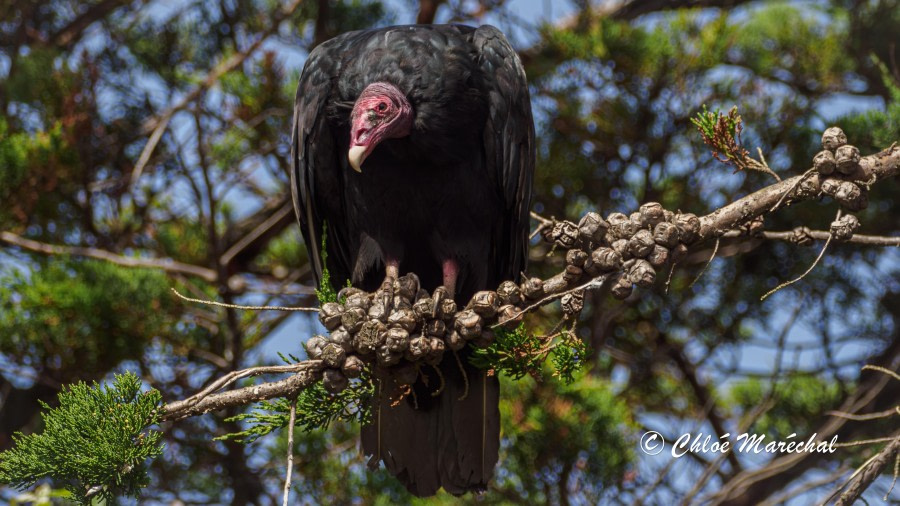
[371,335]
[509,293]
[386,357]
[358,299]
[314,346]
[652,213]
[642,274]
[573,303]
[407,286]
[330,315]
[419,347]
[620,246]
[334,381]
[592,228]
[342,338]
[564,233]
[353,319]
[333,355]
[468,324]
[435,328]
[666,234]
[688,227]
[353,366]
[436,350]
[510,316]
[424,308]
[576,257]
[404,318]
[659,256]
[678,253]
[455,341]
[622,289]
[533,288]
[850,196]
[485,303]
[847,159]
[824,162]
[606,259]
[833,138]
[379,310]
[484,338]
[397,340]
[641,243]
[842,229]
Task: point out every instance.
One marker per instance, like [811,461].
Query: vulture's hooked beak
[357,156]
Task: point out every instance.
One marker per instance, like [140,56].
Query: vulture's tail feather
[451,440]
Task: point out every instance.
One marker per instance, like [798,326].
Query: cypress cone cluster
[839,171]
[401,326]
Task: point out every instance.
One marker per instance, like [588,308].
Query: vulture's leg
[391,270]
[451,272]
[391,273]
[447,289]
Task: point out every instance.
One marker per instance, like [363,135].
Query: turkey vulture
[414,145]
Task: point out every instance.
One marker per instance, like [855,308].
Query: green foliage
[325,292]
[553,430]
[520,352]
[89,314]
[722,133]
[316,409]
[873,130]
[95,444]
[797,402]
[569,357]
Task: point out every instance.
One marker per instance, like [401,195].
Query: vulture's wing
[509,146]
[316,180]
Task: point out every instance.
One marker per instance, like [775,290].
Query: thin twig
[241,306]
[165,264]
[819,235]
[867,441]
[868,416]
[811,267]
[591,284]
[711,258]
[792,188]
[542,224]
[290,455]
[233,376]
[882,370]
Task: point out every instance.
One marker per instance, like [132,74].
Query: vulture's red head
[381,112]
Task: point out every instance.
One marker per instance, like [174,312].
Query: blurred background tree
[144,144]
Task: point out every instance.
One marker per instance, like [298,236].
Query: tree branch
[308,372]
[157,125]
[869,472]
[164,264]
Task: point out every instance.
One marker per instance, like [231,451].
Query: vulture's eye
[381,107]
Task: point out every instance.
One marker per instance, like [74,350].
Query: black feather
[458,186]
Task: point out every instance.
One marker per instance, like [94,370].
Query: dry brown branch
[713,225]
[242,306]
[157,125]
[164,264]
[818,235]
[868,472]
[308,372]
[290,456]
[882,165]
